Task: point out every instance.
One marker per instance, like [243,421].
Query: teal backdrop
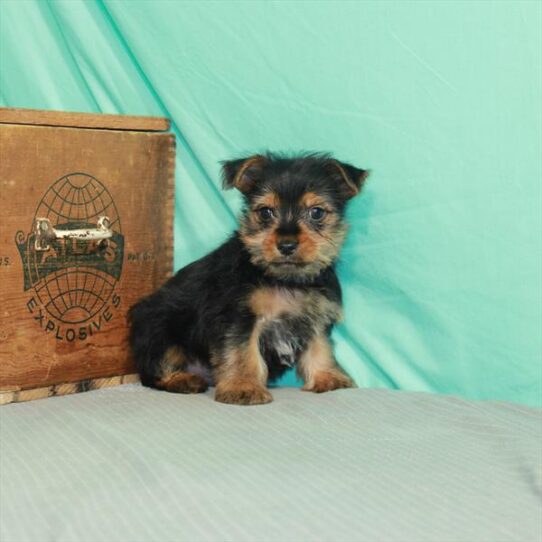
[442,100]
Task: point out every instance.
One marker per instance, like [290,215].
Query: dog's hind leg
[161,364]
[175,377]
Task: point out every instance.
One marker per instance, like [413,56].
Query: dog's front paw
[242,394]
[324,381]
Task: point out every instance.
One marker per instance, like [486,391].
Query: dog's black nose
[287,248]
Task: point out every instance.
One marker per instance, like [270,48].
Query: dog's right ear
[243,173]
[350,179]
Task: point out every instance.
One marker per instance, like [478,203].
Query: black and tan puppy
[264,301]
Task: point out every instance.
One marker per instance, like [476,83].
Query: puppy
[264,301]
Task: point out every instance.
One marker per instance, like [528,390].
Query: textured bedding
[131,464]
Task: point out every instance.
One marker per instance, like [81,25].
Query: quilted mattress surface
[131,464]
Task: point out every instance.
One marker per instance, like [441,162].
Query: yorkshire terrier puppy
[264,301]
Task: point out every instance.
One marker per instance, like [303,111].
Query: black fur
[205,303]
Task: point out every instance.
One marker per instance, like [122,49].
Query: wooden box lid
[83,120]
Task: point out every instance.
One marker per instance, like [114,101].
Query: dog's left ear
[244,173]
[350,178]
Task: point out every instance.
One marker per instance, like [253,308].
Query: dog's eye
[265,213]
[317,213]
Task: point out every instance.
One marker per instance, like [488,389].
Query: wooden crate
[86,229]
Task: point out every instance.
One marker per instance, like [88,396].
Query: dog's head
[293,222]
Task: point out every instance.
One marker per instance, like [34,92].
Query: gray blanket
[130,464]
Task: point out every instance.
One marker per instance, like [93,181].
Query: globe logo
[73,275]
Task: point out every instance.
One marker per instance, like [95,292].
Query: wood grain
[137,169]
[83,120]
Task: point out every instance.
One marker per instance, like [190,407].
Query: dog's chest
[288,319]
[269,303]
[275,303]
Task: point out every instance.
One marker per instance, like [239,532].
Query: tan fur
[173,360]
[308,245]
[179,382]
[322,247]
[252,220]
[352,187]
[241,182]
[255,364]
[325,309]
[253,241]
[269,199]
[311,199]
[272,302]
[324,381]
[242,392]
[319,369]
[317,249]
[242,373]
[269,246]
[321,310]
[174,379]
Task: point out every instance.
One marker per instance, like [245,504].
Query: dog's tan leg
[318,368]
[179,382]
[241,374]
[174,379]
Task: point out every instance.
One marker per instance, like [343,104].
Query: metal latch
[45,232]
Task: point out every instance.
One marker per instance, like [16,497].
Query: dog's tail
[148,338]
